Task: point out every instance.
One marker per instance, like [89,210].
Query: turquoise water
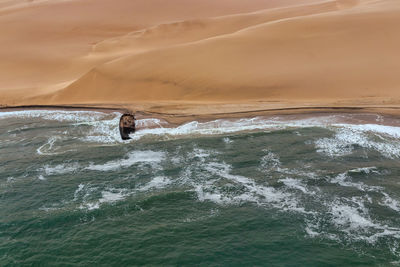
[280,191]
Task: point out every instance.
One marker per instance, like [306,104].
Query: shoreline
[60,107]
[391,113]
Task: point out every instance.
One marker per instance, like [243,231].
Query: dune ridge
[341,52]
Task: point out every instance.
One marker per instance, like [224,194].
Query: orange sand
[200,57]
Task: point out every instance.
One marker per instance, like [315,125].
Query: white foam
[77,191]
[103,131]
[270,161]
[213,181]
[296,184]
[111,195]
[55,115]
[390,202]
[85,193]
[310,230]
[90,206]
[349,135]
[392,131]
[267,193]
[158,182]
[214,196]
[254,193]
[103,126]
[60,168]
[228,126]
[350,218]
[201,154]
[354,220]
[150,123]
[344,180]
[48,209]
[195,218]
[227,140]
[133,157]
[366,170]
[341,144]
[47,147]
[5,184]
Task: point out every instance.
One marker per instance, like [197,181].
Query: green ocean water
[321,191]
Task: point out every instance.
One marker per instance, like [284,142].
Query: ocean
[315,190]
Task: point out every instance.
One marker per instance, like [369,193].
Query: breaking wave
[55,115]
[303,193]
[134,157]
[60,168]
[373,137]
[342,203]
[102,128]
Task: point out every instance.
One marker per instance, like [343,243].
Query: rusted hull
[127,126]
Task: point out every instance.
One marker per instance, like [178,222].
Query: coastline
[227,112]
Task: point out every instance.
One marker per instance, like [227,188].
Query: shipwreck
[127,125]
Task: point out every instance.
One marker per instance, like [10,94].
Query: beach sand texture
[343,52]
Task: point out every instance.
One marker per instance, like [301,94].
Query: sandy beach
[202,58]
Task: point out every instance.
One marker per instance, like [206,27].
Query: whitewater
[224,191]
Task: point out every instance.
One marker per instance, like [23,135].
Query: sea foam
[55,115]
[61,168]
[347,136]
[133,157]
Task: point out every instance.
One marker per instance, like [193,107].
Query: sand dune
[169,34]
[287,51]
[44,44]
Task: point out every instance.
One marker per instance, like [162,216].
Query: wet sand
[365,114]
